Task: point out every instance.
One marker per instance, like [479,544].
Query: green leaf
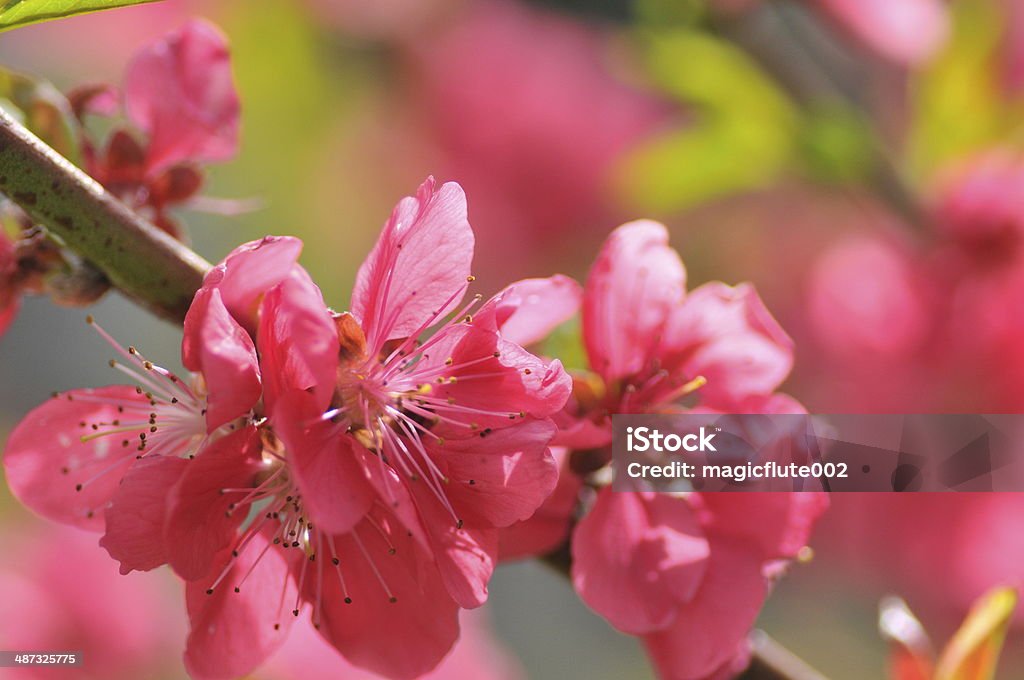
[740,137]
[15,13]
[958,103]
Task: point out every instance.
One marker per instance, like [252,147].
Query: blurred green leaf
[958,104]
[566,343]
[742,135]
[836,143]
[16,13]
[44,110]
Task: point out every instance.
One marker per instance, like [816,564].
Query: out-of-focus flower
[531,117]
[9,290]
[306,656]
[123,627]
[905,31]
[178,92]
[665,567]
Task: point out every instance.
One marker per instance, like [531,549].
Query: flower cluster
[362,466]
[355,464]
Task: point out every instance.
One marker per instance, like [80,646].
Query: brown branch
[137,257]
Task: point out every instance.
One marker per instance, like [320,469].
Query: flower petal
[535,307]
[635,282]
[549,526]
[180,92]
[137,513]
[45,457]
[500,478]
[637,558]
[907,32]
[199,525]
[298,341]
[329,466]
[419,265]
[710,628]
[779,524]
[232,633]
[245,275]
[728,336]
[423,618]
[219,348]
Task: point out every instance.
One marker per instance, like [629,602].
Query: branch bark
[137,257]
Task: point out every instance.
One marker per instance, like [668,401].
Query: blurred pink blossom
[530,112]
[905,31]
[124,627]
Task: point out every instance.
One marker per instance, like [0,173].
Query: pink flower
[906,31]
[123,626]
[384,466]
[668,568]
[507,91]
[179,93]
[9,293]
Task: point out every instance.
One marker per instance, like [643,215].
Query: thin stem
[137,257]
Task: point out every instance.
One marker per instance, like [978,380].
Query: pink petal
[549,526]
[535,307]
[778,524]
[636,281]
[329,466]
[500,478]
[637,558]
[499,377]
[465,556]
[710,628]
[198,526]
[728,336]
[419,265]
[422,619]
[906,31]
[137,513]
[223,352]
[232,633]
[298,342]
[45,457]
[245,275]
[7,314]
[180,92]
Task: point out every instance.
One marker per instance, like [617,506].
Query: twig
[137,257]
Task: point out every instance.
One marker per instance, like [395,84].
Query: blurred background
[859,161]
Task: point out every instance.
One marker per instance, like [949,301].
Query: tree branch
[138,258]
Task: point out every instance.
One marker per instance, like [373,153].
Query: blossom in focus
[179,95]
[124,627]
[668,567]
[384,447]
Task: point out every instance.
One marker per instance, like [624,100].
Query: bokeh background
[860,162]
